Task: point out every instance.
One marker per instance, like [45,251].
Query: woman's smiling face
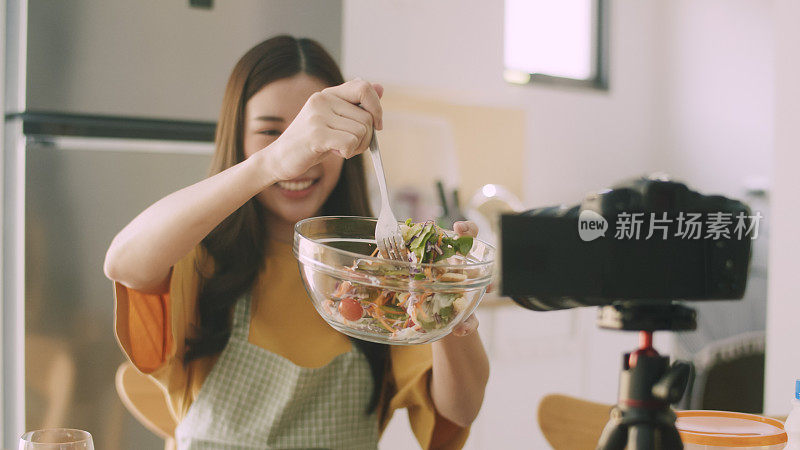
[267,114]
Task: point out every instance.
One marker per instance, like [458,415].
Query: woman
[210,301]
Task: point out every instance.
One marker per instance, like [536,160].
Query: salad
[403,314]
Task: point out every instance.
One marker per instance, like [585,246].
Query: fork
[387,232]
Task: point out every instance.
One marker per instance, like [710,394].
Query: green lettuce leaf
[463,245]
[447,251]
[420,240]
[409,230]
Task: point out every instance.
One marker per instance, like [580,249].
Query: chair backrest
[569,423]
[146,401]
[729,374]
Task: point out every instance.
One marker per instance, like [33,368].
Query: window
[562,42]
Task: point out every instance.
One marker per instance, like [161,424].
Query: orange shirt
[152,330]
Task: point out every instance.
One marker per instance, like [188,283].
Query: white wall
[716,86]
[783,351]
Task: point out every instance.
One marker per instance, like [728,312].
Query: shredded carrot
[375,252]
[384,323]
[382,298]
[378,314]
[404,300]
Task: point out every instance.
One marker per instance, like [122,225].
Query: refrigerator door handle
[71,143]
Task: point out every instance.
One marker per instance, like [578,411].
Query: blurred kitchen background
[111,104]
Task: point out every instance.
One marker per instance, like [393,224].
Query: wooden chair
[570,423]
[147,402]
[729,375]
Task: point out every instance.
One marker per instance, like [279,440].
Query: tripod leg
[615,433]
[643,436]
[671,438]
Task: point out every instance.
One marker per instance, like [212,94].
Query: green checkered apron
[255,399]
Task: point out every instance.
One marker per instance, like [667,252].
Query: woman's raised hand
[337,120]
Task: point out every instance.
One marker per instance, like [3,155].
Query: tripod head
[642,418]
[647,315]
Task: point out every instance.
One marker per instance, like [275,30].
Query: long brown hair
[237,245]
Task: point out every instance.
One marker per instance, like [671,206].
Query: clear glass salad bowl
[380,300]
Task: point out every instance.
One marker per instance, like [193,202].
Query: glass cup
[56,439]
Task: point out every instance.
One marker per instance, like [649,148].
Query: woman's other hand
[470,325]
[337,120]
[460,364]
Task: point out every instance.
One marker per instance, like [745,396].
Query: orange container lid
[728,429]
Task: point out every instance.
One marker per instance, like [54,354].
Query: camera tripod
[642,418]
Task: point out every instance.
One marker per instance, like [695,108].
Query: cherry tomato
[350,309]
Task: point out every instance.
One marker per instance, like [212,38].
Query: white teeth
[295,185]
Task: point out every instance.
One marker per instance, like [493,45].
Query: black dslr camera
[633,250]
[642,240]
